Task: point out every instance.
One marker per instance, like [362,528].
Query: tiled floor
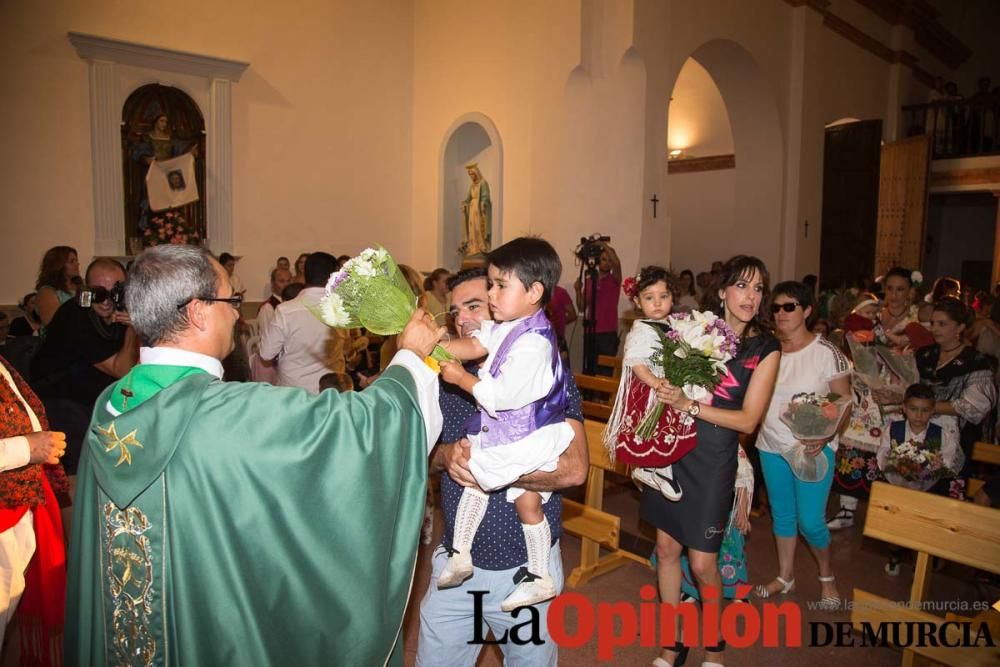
[858,562]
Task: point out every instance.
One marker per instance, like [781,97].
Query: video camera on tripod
[590,248]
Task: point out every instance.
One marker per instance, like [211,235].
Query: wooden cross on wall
[655,202]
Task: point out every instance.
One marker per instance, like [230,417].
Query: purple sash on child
[513,425]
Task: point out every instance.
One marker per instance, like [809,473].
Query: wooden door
[850,202]
[902,204]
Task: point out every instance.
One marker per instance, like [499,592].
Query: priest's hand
[46,446]
[421,334]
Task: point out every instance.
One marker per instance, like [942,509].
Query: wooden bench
[936,526]
[588,521]
[614,363]
[598,408]
[982,452]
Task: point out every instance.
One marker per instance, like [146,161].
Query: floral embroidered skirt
[674,436]
[855,471]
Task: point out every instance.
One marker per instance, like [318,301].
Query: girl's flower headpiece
[630,286]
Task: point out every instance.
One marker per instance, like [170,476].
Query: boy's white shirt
[525,377]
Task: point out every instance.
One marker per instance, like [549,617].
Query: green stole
[145,381]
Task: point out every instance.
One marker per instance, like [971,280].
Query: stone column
[219,183]
[105,138]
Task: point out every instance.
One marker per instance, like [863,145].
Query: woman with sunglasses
[708,473]
[809,363]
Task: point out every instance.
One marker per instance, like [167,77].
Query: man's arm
[571,469]
[272,338]
[122,361]
[616,264]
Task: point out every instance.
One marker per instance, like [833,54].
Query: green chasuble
[244,524]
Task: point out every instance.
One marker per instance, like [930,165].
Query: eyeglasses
[787,307]
[235,301]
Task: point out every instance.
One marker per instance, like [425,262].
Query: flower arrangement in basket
[811,416]
[170,227]
[693,355]
[370,291]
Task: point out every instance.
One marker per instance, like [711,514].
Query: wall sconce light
[675,154]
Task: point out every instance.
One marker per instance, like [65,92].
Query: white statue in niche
[477,209]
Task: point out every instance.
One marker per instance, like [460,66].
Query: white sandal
[786,587]
[828,602]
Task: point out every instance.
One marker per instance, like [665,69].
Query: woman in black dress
[708,474]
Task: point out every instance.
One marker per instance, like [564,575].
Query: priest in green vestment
[243,524]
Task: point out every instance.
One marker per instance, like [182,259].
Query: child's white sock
[538,538]
[470,513]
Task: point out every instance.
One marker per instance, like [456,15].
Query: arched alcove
[737,208]
[473,138]
[186,130]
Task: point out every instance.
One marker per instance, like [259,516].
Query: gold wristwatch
[694,409]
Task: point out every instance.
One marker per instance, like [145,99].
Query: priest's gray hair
[161,279]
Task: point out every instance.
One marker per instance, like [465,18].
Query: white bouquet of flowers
[693,354]
[370,291]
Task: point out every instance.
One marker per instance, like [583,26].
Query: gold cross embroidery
[113,442]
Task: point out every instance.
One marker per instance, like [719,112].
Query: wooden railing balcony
[959,128]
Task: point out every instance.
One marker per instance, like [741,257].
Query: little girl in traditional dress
[653,291]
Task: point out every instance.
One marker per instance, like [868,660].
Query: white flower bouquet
[370,291]
[693,355]
[918,464]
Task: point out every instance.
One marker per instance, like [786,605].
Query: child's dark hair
[919,391]
[532,260]
[650,275]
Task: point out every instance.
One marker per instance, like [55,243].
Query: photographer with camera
[88,345]
[599,262]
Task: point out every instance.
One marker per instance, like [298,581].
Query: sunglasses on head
[787,307]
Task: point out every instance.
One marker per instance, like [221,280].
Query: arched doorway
[186,129]
[732,201]
[472,139]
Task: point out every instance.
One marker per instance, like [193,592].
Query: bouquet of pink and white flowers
[693,355]
[370,291]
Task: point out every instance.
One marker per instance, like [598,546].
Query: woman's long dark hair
[53,270]
[742,267]
[687,272]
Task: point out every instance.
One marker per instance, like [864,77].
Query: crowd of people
[115,389]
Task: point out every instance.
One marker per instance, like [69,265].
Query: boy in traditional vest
[521,425]
[939,437]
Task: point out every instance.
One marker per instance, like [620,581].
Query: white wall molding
[92,47]
[108,93]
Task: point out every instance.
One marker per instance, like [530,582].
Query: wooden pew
[588,521]
[614,363]
[599,409]
[982,452]
[937,526]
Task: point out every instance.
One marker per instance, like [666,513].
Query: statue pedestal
[474,261]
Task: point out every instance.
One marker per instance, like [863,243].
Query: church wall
[511,62]
[322,124]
